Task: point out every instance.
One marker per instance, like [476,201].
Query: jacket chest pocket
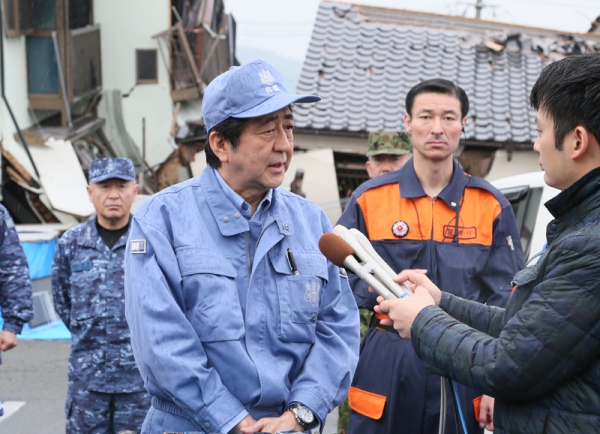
[86,287]
[299,295]
[211,300]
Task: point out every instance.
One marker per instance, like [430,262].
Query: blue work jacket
[203,353]
[87,287]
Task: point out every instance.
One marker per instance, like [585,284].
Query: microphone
[365,252]
[339,252]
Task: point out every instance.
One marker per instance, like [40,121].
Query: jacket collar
[226,213]
[410,187]
[579,192]
[91,238]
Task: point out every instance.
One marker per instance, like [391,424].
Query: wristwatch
[304,416]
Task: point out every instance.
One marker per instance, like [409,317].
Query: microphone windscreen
[334,248]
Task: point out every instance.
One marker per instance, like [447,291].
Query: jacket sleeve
[505,260]
[329,367]
[61,287]
[481,317]
[553,337]
[15,284]
[165,345]
[352,217]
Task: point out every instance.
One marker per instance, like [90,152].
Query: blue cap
[249,91]
[109,168]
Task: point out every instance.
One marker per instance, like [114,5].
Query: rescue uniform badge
[400,228]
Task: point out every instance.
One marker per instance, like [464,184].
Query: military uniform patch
[137,246]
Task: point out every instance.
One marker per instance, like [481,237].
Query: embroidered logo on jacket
[464,233]
[312,292]
[400,228]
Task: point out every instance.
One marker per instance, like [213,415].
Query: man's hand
[274,424]
[414,278]
[403,311]
[8,340]
[486,413]
[243,424]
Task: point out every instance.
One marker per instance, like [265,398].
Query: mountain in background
[289,68]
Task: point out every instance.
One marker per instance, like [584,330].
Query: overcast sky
[285,26]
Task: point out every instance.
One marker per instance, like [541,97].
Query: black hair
[230,129]
[438,85]
[568,91]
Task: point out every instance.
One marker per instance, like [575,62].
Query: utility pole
[478,7]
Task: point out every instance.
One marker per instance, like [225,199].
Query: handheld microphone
[365,252]
[341,254]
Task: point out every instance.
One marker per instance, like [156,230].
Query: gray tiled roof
[363,60]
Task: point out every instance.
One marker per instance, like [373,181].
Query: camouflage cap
[108,168]
[389,142]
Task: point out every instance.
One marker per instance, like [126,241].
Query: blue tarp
[39,258]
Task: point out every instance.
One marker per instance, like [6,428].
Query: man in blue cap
[238,323]
[106,393]
[16,303]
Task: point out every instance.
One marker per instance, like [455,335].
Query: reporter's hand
[403,311]
[8,340]
[486,413]
[274,424]
[414,278]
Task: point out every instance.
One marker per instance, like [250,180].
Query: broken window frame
[18,28]
[139,68]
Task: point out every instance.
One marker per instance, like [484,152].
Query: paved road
[35,373]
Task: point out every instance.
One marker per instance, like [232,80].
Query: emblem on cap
[400,228]
[266,77]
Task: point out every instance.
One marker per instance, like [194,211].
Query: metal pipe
[61,75]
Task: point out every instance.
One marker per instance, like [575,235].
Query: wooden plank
[19,168]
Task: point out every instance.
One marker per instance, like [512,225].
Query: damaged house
[363,60]
[87,79]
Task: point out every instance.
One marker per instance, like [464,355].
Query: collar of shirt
[410,187]
[241,205]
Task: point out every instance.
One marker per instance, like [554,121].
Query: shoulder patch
[9,223]
[137,246]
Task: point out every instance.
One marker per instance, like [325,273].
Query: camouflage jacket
[88,291]
[15,285]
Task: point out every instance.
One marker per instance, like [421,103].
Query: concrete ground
[33,388]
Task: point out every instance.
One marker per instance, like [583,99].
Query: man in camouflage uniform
[16,302]
[388,151]
[106,393]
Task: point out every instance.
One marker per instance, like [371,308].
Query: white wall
[521,162]
[124,27]
[336,143]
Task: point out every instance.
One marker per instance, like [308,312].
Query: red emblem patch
[400,228]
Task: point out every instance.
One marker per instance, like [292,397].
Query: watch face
[304,414]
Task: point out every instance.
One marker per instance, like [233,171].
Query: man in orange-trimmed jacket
[428,215]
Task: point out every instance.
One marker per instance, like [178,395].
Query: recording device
[351,249]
